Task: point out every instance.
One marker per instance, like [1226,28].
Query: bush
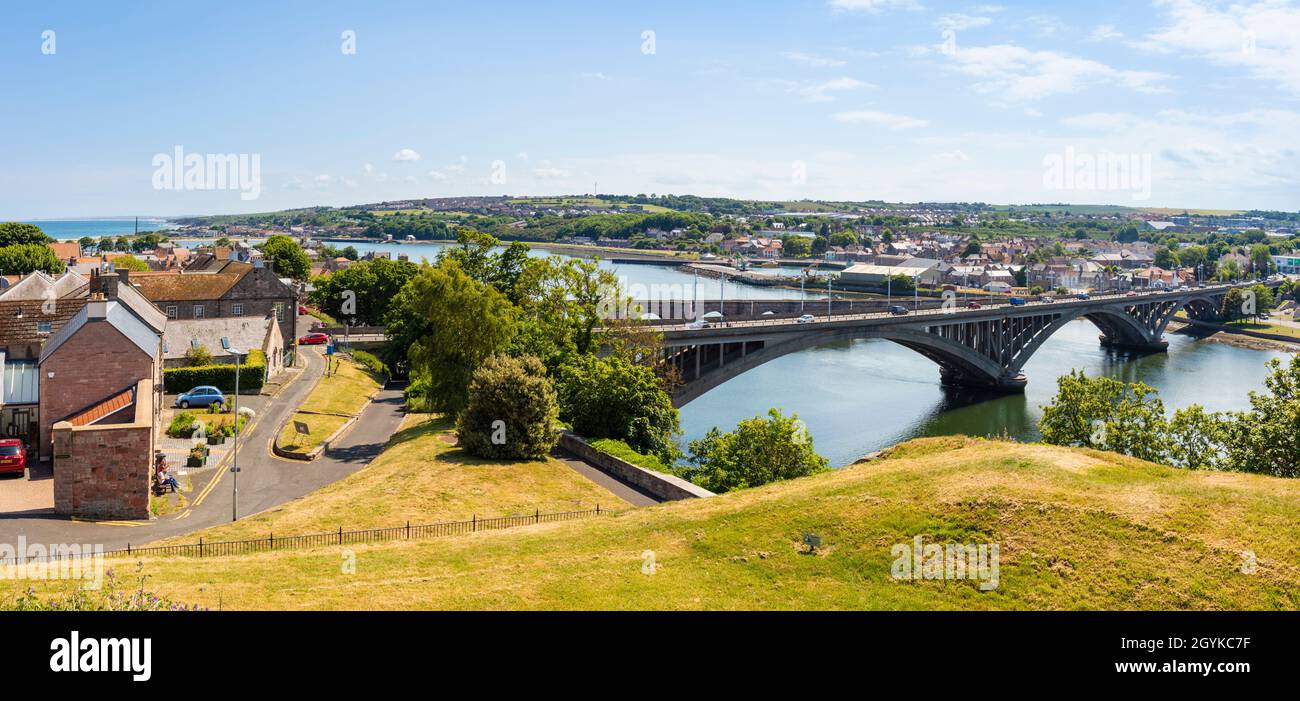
[620,450]
[251,376]
[614,398]
[511,412]
[759,451]
[371,363]
[182,426]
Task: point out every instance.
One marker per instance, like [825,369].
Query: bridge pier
[1159,346]
[1007,384]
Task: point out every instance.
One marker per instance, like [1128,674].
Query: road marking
[131,524]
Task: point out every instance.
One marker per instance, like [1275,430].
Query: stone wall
[104,471]
[666,487]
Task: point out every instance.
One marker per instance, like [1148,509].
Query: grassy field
[423,478]
[329,405]
[1077,529]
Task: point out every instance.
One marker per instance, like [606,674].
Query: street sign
[301,427]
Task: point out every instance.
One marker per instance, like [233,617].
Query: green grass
[620,450]
[327,408]
[422,477]
[1078,529]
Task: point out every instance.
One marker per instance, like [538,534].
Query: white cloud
[406,154]
[959,22]
[438,175]
[1017,74]
[1262,37]
[1105,32]
[811,60]
[873,6]
[823,92]
[550,173]
[880,119]
[368,169]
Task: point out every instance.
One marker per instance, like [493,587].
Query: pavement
[264,481]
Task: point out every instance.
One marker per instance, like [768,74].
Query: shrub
[511,412]
[371,363]
[613,398]
[252,374]
[757,452]
[182,426]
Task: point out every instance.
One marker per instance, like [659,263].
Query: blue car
[200,396]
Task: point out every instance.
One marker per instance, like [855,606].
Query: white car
[699,324]
[805,319]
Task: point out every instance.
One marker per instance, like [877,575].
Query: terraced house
[234,289]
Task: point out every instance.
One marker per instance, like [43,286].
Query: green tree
[1266,439]
[14,233]
[796,246]
[613,398]
[288,258]
[452,323]
[1195,437]
[130,262]
[85,242]
[198,356]
[512,410]
[1106,414]
[759,451]
[373,284]
[23,258]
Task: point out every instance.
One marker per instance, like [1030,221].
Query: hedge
[251,375]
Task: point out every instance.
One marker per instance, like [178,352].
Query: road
[265,481]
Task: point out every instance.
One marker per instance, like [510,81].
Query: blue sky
[831,99]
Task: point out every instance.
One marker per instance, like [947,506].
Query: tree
[1194,438]
[23,258]
[14,233]
[759,451]
[512,410]
[1261,260]
[1106,414]
[452,324]
[85,242]
[613,398]
[796,246]
[369,288]
[129,262]
[196,356]
[288,258]
[1166,258]
[1267,438]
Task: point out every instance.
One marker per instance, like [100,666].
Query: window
[198,311]
[279,311]
[225,343]
[44,327]
[194,343]
[237,310]
[171,312]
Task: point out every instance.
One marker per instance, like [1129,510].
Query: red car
[972,305]
[13,458]
[314,339]
[302,311]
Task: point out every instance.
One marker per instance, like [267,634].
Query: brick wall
[104,472]
[93,364]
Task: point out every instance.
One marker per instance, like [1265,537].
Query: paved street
[265,481]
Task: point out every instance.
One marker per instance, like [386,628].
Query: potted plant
[198,456]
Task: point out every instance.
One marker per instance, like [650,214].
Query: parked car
[897,309]
[302,311]
[1017,301]
[972,305]
[203,395]
[314,339]
[13,457]
[805,319]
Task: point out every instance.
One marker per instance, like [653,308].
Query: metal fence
[315,540]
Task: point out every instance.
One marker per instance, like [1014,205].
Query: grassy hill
[1076,529]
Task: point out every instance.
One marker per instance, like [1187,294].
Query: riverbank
[1236,340]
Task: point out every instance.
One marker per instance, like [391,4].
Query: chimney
[96,306]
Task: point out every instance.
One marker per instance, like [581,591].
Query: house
[221,336]
[233,290]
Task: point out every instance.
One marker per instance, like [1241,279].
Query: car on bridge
[1083,295]
[1047,300]
[972,305]
[897,309]
[698,324]
[1017,301]
[805,319]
